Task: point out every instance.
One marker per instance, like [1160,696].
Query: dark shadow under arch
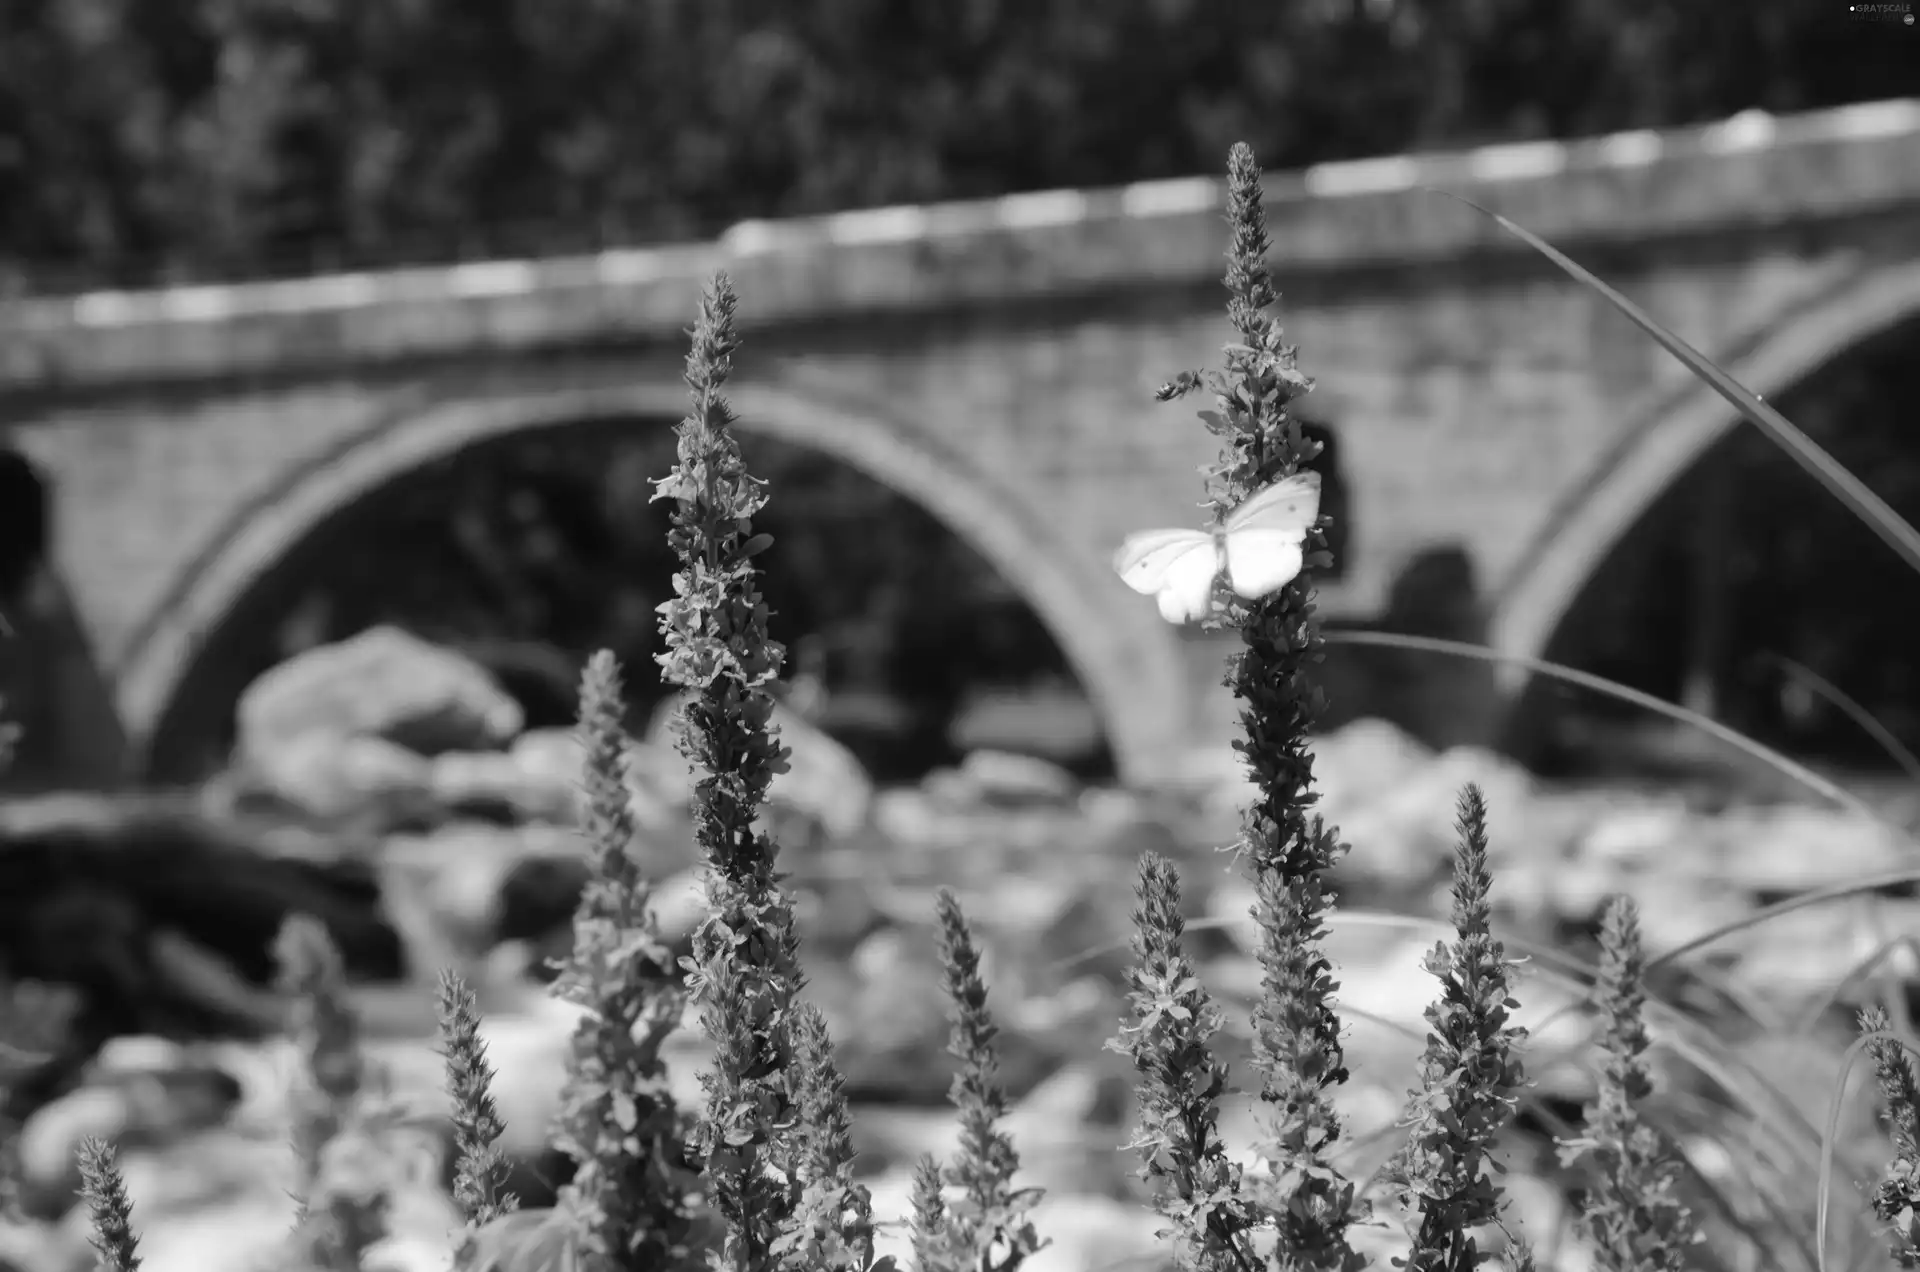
[1676,426]
[533,632]
[52,692]
[26,524]
[1120,651]
[1744,560]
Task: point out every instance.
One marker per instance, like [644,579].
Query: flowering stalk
[480,1168]
[326,1034]
[833,1228]
[1631,1214]
[934,1246]
[1470,1074]
[1297,1033]
[745,967]
[991,1221]
[628,1201]
[1168,1034]
[104,1190]
[1896,1200]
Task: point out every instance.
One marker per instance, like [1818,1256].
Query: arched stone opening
[1640,548]
[1128,667]
[1677,431]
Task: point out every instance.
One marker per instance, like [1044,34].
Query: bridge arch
[1677,432]
[1127,661]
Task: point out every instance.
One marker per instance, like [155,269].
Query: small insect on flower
[1261,545]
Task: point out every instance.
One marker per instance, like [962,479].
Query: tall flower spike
[1290,850]
[1896,1199]
[1470,1074]
[1168,1034]
[327,1036]
[934,1248]
[1632,1214]
[104,1190]
[480,1168]
[745,965]
[992,1218]
[629,1198]
[833,1229]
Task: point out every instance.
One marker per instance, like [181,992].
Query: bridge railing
[1630,188]
[549,237]
[533,237]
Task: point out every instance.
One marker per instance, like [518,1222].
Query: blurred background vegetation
[145,141]
[194,137]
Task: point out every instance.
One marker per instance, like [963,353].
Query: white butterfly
[1262,546]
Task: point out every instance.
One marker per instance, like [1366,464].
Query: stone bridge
[995,361]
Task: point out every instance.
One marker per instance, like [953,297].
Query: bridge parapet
[1754,170]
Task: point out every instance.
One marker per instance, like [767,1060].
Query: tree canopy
[142,140]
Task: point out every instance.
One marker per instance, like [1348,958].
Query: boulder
[495,785]
[382,683]
[551,759]
[1213,780]
[835,910]
[1798,957]
[1405,835]
[539,780]
[346,778]
[552,762]
[1638,834]
[163,923]
[162,1098]
[1361,762]
[950,791]
[1777,850]
[36,1246]
[1006,779]
[913,817]
[1048,718]
[446,887]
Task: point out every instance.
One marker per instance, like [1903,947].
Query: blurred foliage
[196,137]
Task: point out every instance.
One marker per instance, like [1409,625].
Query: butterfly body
[1260,546]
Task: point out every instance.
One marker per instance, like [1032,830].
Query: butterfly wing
[1186,593]
[1145,559]
[1266,536]
[1174,566]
